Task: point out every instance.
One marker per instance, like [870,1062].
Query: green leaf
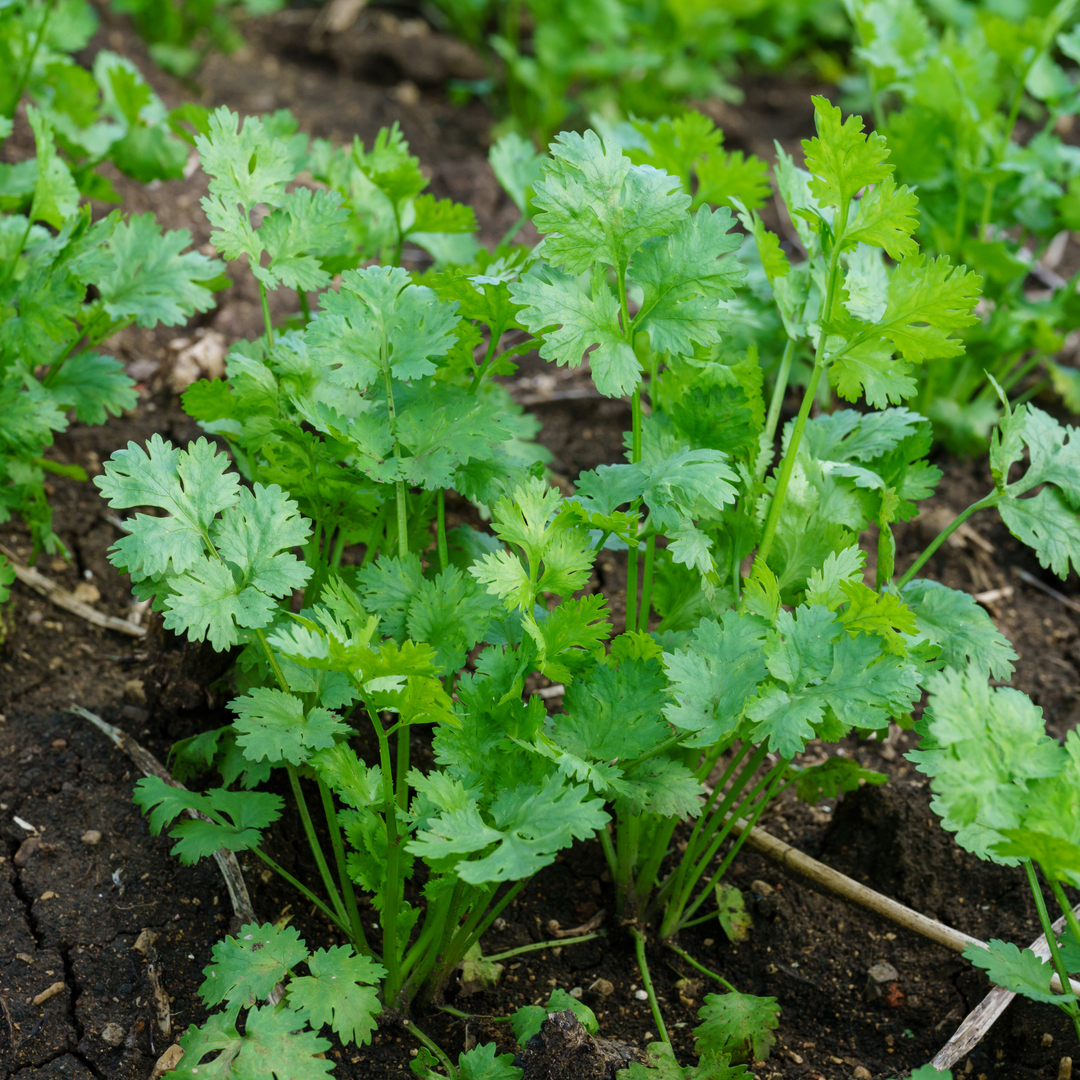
[55,195]
[663,1065]
[517,166]
[683,276]
[1018,970]
[554,299]
[95,386]
[246,968]
[442,216]
[928,300]
[248,811]
[528,1020]
[530,826]
[731,912]
[191,485]
[961,628]
[1047,521]
[881,614]
[570,633]
[484,1063]
[842,160]
[711,680]
[271,724]
[339,992]
[886,218]
[377,322]
[598,207]
[245,164]
[271,1046]
[150,280]
[7,579]
[828,678]
[306,224]
[833,776]
[739,1025]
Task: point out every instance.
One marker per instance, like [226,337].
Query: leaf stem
[440,529]
[765,453]
[917,565]
[1048,929]
[646,584]
[313,843]
[536,946]
[646,982]
[481,371]
[267,324]
[302,889]
[305,307]
[24,76]
[635,456]
[433,1046]
[701,967]
[334,828]
[1067,910]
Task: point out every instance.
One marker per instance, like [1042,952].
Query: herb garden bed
[74,905]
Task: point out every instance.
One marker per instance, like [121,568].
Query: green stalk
[303,890]
[434,923]
[391,959]
[646,982]
[267,324]
[635,456]
[18,251]
[759,808]
[701,967]
[646,585]
[313,843]
[24,77]
[609,850]
[423,1039]
[710,820]
[917,565]
[480,919]
[515,228]
[1051,940]
[787,466]
[1025,368]
[399,486]
[1067,910]
[305,307]
[334,828]
[481,371]
[403,741]
[537,946]
[765,455]
[440,529]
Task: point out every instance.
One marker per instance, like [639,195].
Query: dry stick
[842,885]
[979,1021]
[1061,598]
[62,598]
[150,766]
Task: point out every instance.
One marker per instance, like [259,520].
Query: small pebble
[56,988]
[91,837]
[762,888]
[860,1073]
[602,987]
[112,1034]
[641,995]
[59,744]
[576,992]
[135,692]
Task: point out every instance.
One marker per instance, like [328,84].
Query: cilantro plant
[1008,791]
[180,33]
[51,253]
[107,114]
[949,103]
[748,625]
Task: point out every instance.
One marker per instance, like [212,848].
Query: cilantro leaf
[483,1062]
[95,386]
[247,967]
[1018,970]
[245,164]
[965,633]
[598,207]
[551,298]
[273,725]
[711,680]
[270,1047]
[833,776]
[338,992]
[191,485]
[738,1025]
[150,280]
[841,159]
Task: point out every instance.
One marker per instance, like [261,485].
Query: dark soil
[71,911]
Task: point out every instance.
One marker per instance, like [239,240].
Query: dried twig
[150,766]
[844,886]
[1061,598]
[62,598]
[979,1021]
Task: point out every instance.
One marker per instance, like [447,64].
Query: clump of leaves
[51,256]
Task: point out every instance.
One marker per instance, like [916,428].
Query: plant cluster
[348,428]
[974,114]
[67,284]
